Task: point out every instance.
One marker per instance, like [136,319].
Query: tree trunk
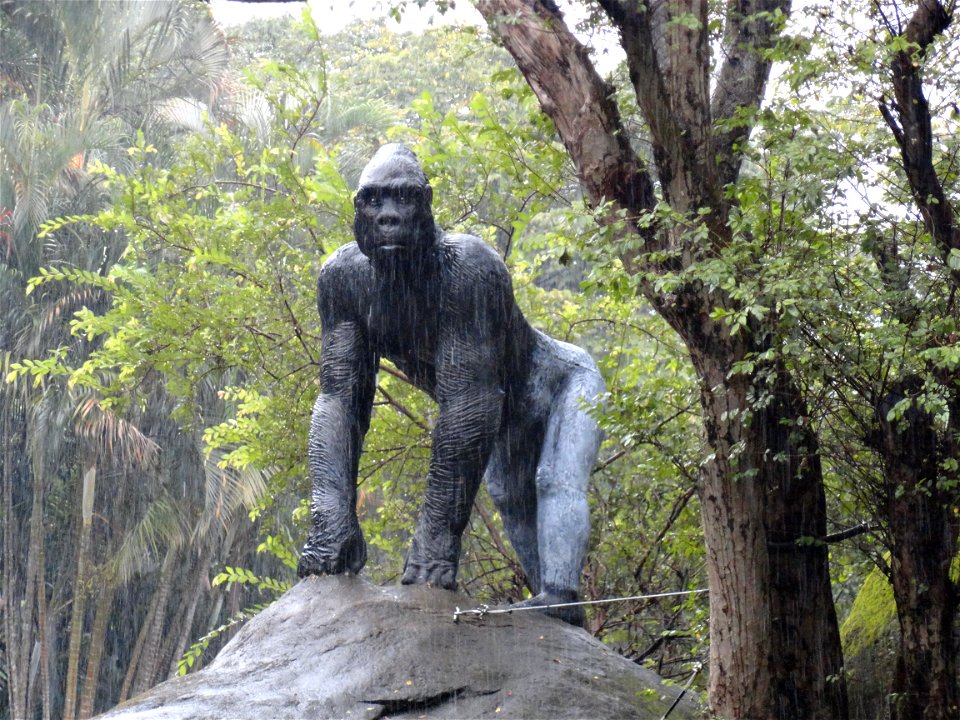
[925,679]
[80,590]
[921,494]
[201,583]
[137,653]
[923,544]
[28,608]
[149,659]
[732,500]
[775,649]
[42,620]
[806,646]
[101,621]
[15,680]
[149,623]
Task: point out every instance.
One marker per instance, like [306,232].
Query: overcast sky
[333,16]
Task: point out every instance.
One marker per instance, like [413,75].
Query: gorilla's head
[393,219]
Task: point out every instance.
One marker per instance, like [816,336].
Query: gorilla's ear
[428,195]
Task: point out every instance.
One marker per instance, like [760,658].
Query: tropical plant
[79,82]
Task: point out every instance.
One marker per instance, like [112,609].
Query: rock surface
[340,647]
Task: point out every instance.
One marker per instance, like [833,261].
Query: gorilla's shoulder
[344,277]
[470,252]
[346,264]
[346,258]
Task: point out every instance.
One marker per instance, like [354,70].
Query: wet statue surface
[511,399]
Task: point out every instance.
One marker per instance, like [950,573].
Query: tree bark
[802,604]
[80,590]
[101,621]
[201,583]
[132,679]
[775,649]
[42,625]
[15,681]
[149,659]
[29,606]
[732,501]
[921,532]
[924,684]
[922,537]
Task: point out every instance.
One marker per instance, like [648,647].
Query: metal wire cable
[483,610]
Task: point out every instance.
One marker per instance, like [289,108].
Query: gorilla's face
[393,217]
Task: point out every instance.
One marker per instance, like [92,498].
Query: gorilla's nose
[388,220]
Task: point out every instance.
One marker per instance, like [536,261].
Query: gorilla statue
[511,400]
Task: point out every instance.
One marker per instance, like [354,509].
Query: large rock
[340,647]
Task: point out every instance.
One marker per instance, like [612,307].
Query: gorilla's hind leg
[563,516]
[510,480]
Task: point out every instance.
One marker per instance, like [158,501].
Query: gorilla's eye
[371,197]
[402,195]
[408,195]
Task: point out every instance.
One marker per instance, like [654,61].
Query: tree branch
[668,60]
[810,543]
[558,69]
[915,136]
[749,31]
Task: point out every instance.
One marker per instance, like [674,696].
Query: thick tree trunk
[924,684]
[774,646]
[921,495]
[923,544]
[775,649]
[732,501]
[806,645]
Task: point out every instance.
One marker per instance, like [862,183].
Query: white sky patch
[331,17]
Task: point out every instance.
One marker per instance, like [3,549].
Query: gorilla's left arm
[469,390]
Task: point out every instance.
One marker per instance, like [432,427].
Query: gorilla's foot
[572,614]
[440,573]
[323,556]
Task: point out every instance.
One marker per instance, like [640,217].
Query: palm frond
[160,527]
[227,489]
[373,116]
[112,436]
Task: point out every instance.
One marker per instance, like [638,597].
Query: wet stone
[341,647]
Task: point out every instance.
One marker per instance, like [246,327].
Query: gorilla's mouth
[389,241]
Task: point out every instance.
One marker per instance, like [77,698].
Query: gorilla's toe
[569,613]
[436,573]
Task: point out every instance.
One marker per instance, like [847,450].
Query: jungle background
[169,189]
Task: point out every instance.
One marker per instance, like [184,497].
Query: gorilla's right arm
[340,420]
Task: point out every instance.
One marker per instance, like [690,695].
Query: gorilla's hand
[325,556]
